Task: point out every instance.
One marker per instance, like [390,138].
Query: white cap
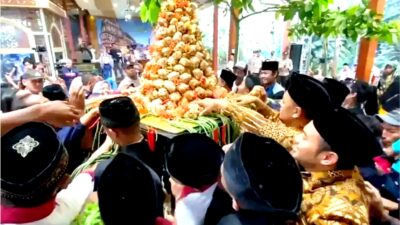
[240,64]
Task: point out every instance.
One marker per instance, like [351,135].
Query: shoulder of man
[340,203]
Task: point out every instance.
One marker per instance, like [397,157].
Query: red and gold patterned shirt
[334,197]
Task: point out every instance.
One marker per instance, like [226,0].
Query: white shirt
[192,209]
[255,64]
[76,83]
[230,65]
[346,74]
[285,66]
[69,202]
[126,82]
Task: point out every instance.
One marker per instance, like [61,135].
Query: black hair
[29,60]
[86,78]
[388,66]
[367,95]
[251,81]
[54,92]
[345,64]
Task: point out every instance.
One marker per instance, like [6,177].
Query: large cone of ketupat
[180,70]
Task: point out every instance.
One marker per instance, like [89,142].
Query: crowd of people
[338,162]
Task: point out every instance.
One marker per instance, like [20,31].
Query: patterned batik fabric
[334,197]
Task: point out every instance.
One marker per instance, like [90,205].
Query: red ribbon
[216,135]
[94,123]
[151,139]
[223,134]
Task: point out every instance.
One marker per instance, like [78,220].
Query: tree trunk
[309,50]
[325,62]
[215,38]
[336,56]
[237,40]
[233,31]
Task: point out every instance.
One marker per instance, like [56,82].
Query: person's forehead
[288,99]
[310,130]
[390,126]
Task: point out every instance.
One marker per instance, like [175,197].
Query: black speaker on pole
[295,56]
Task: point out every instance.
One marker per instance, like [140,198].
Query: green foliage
[347,51]
[238,4]
[89,216]
[150,10]
[316,18]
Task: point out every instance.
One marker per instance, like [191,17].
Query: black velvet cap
[337,91]
[270,65]
[349,137]
[33,162]
[228,77]
[262,176]
[54,92]
[309,94]
[129,192]
[119,112]
[194,160]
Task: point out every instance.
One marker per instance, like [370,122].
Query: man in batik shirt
[330,149]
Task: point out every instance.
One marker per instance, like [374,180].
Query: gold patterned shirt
[334,197]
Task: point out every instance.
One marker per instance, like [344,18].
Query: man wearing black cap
[121,121]
[194,162]
[330,148]
[251,167]
[304,98]
[227,79]
[129,192]
[268,76]
[337,91]
[33,164]
[32,81]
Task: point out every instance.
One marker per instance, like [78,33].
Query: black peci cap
[309,94]
[194,160]
[129,192]
[262,176]
[270,65]
[33,162]
[349,137]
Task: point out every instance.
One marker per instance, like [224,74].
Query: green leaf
[365,2]
[237,4]
[308,7]
[143,13]
[154,11]
[148,2]
[251,7]
[289,14]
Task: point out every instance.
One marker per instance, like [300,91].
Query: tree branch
[258,12]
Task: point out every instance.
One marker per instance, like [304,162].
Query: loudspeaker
[295,55]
